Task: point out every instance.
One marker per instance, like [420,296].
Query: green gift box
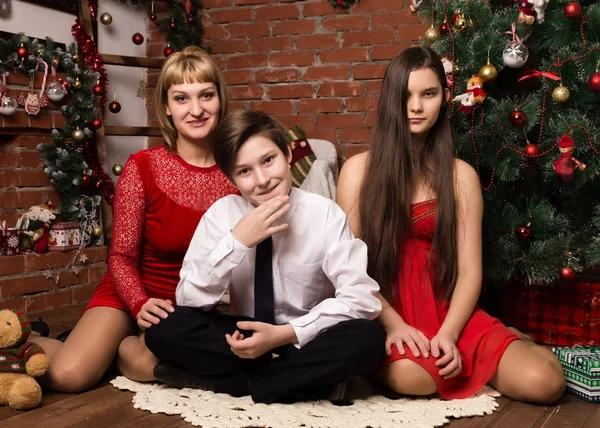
[582,370]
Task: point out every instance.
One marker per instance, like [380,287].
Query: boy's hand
[264,338]
[258,224]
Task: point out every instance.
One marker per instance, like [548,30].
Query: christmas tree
[525,79]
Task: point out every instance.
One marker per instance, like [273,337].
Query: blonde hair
[190,65]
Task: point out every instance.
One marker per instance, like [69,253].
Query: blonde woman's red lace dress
[483,339]
[159,202]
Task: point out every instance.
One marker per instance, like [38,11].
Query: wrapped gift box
[562,314]
[64,236]
[9,241]
[582,370]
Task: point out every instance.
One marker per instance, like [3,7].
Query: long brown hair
[395,167]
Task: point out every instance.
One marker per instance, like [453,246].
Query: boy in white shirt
[301,299]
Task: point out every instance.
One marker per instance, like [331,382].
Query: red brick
[341,89]
[324,134]
[374,86]
[291,91]
[362,104]
[322,8]
[344,55]
[272,107]
[306,121]
[23,285]
[298,59]
[17,304]
[96,273]
[353,149]
[229,46]
[330,72]
[245,2]
[155,141]
[96,254]
[10,265]
[52,259]
[212,32]
[31,141]
[207,4]
[377,6]
[58,119]
[340,121]
[28,178]
[262,44]
[67,278]
[250,92]
[22,199]
[248,61]
[238,105]
[271,13]
[368,38]
[18,119]
[157,37]
[393,19]
[231,15]
[248,30]
[36,303]
[371,119]
[410,32]
[386,52]
[317,41]
[320,105]
[11,218]
[83,293]
[42,120]
[369,71]
[361,135]
[58,299]
[155,49]
[350,22]
[236,77]
[294,27]
[278,75]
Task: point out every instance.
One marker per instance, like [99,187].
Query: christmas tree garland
[72,158]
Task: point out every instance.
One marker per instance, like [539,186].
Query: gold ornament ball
[78,134]
[76,57]
[560,94]
[488,72]
[117,168]
[106,18]
[76,84]
[432,34]
[97,231]
[460,24]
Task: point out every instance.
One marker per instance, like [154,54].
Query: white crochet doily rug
[207,409]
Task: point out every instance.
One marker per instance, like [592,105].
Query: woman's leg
[135,360]
[408,378]
[529,372]
[82,360]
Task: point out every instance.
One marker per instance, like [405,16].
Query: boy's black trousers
[196,340]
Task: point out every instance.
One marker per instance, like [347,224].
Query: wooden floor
[107,406]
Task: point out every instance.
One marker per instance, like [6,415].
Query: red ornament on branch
[444,27]
[518,118]
[114,107]
[172,24]
[532,150]
[97,89]
[96,124]
[567,273]
[137,39]
[564,167]
[22,52]
[168,50]
[188,7]
[573,10]
[524,233]
[593,83]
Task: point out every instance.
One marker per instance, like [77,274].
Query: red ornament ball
[137,39]
[22,52]
[172,25]
[153,17]
[567,273]
[518,118]
[532,150]
[523,233]
[593,83]
[85,179]
[114,107]
[444,27]
[454,18]
[573,10]
[97,89]
[97,124]
[190,19]
[168,50]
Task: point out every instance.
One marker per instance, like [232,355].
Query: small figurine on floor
[20,362]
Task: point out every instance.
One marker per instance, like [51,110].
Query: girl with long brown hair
[419,210]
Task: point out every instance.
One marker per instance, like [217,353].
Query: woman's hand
[152,311]
[443,347]
[416,341]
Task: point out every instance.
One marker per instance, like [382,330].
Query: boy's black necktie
[264,306]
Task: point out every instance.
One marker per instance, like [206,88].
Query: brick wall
[306,62]
[24,183]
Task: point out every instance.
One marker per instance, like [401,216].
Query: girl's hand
[443,347]
[153,311]
[416,341]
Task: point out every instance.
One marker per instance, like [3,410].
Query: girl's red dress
[159,202]
[483,339]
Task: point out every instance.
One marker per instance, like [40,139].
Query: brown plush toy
[20,362]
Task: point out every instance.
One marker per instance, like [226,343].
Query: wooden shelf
[132,130]
[132,61]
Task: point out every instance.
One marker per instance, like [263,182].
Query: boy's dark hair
[237,128]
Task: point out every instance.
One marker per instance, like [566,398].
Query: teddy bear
[35,224]
[20,362]
[474,95]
